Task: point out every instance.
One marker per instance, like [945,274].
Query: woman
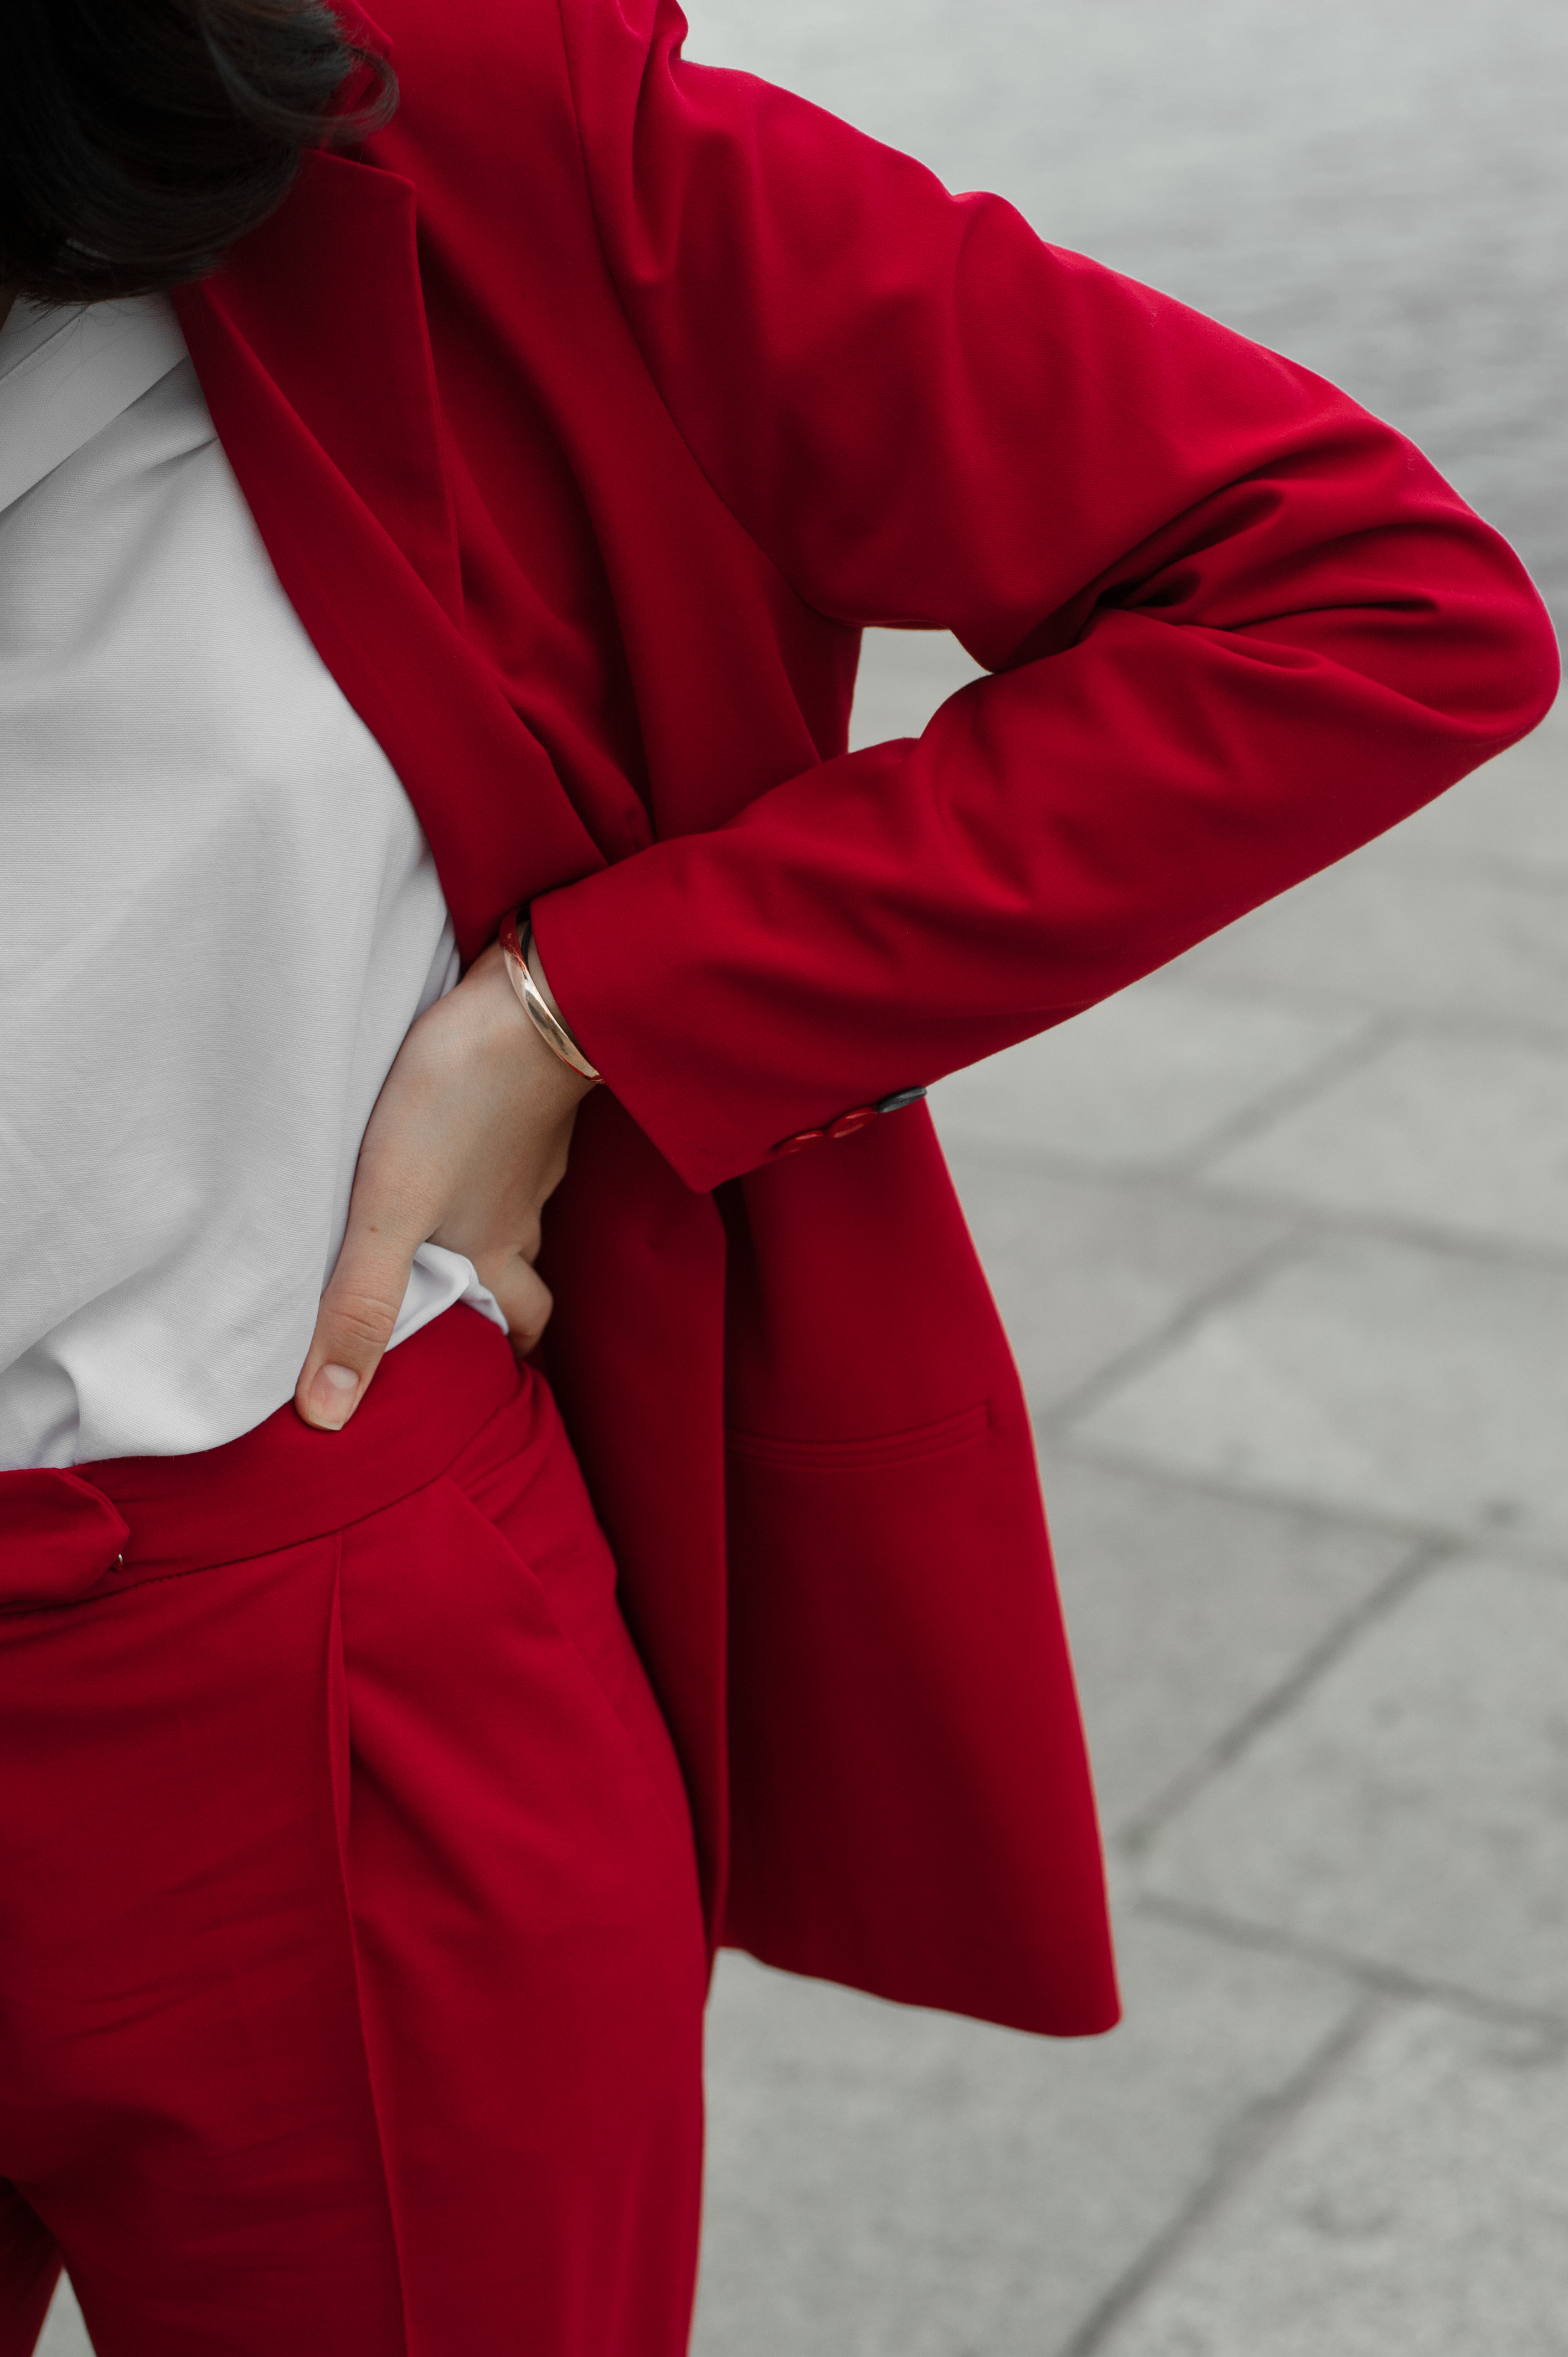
[417,514]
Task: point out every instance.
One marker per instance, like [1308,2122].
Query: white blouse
[219,917]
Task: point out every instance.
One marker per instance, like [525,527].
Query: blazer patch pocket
[869,1451]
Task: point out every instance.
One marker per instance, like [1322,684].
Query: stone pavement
[1282,1237]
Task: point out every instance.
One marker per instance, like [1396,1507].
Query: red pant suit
[589,416]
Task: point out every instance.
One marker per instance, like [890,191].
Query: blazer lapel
[313,352]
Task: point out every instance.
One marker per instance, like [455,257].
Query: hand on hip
[466,1141]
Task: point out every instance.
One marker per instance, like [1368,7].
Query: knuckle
[361,1320]
[526,1303]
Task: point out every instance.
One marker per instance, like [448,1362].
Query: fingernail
[332,1395]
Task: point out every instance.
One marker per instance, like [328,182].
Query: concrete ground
[1281,1238]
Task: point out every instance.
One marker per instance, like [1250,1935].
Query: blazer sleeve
[1235,625]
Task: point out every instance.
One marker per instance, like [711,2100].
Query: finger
[354,1323]
[525,1301]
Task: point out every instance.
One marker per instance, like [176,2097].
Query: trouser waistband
[69,1537]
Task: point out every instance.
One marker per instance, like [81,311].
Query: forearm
[1057,832]
[1237,626]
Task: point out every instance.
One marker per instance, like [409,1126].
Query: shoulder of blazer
[487,131]
[485,125]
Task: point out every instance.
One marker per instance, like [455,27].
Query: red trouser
[352,1969]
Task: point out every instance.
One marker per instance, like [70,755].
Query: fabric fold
[60,385]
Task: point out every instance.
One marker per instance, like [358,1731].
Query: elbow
[1456,630]
[1504,666]
[1486,653]
[1529,675]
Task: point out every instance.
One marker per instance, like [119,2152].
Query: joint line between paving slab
[1410,1574]
[1377,1032]
[1479,1538]
[1379,1028]
[1335,1223]
[1188,1179]
[1377,1978]
[1102,1457]
[1261,2126]
[1270,1260]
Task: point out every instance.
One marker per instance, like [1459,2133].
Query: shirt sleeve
[1235,626]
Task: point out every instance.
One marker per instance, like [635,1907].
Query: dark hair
[139,138]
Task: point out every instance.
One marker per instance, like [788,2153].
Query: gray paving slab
[64,2333]
[1466,1134]
[1427,1386]
[1511,816]
[1141,1080]
[1392,211]
[1418,2207]
[1088,1269]
[1381,931]
[1412,1808]
[891,2184]
[1191,1613]
[1389,208]
[904,675]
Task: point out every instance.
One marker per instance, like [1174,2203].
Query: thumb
[354,1323]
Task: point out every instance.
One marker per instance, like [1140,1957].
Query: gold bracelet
[535,1003]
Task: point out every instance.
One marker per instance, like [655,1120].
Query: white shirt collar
[65,375]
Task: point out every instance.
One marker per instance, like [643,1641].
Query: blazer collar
[325,295]
[313,353]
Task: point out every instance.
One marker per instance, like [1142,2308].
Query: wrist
[526,975]
[570,1076]
[522,1057]
[541,980]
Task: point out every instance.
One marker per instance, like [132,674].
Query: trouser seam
[338,1660]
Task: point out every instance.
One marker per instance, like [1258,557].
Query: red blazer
[588,417]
